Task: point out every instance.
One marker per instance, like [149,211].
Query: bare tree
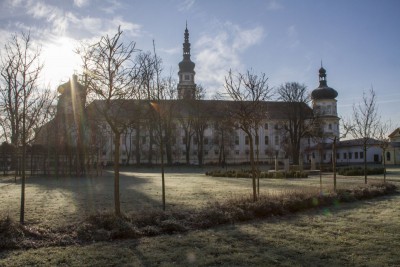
[164,110]
[149,68]
[187,125]
[224,134]
[299,119]
[25,104]
[112,79]
[384,142]
[365,123]
[249,91]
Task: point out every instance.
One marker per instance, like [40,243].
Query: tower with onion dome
[325,107]
[186,85]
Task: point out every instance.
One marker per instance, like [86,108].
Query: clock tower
[186,85]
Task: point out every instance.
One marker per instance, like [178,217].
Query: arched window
[388,156]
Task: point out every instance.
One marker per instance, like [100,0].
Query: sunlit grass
[354,234]
[56,202]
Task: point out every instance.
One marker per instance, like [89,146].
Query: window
[350,155]
[276,140]
[266,126]
[344,155]
[195,152]
[324,156]
[143,139]
[330,126]
[266,140]
[356,155]
[246,140]
[187,77]
[276,127]
[361,155]
[247,152]
[313,155]
[236,140]
[205,152]
[237,152]
[388,156]
[205,140]
[338,155]
[216,152]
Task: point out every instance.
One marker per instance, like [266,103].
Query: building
[392,153]
[196,131]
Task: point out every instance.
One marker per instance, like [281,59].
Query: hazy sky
[357,40]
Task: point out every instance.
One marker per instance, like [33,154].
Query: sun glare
[60,61]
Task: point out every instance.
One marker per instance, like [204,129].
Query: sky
[357,41]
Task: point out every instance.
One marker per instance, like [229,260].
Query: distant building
[197,131]
[392,153]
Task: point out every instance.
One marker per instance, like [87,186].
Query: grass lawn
[365,233]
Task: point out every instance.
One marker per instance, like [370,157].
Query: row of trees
[113,74]
[24,103]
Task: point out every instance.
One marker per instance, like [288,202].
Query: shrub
[106,226]
[358,171]
[248,174]
[10,233]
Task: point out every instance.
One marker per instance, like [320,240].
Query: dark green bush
[247,174]
[358,170]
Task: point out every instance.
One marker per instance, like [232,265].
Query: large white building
[197,131]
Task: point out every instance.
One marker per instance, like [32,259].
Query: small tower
[70,115]
[186,85]
[325,107]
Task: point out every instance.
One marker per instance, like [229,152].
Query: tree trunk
[253,167]
[117,136]
[151,143]
[162,167]
[365,163]
[22,212]
[137,145]
[187,153]
[334,163]
[384,165]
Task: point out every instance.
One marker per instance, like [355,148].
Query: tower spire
[186,86]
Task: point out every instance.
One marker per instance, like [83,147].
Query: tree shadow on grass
[58,201]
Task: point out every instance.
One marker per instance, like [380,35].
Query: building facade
[196,132]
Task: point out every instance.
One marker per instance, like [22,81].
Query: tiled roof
[208,108]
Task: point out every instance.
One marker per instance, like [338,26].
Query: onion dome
[186,65]
[323,91]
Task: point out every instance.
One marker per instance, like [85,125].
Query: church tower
[186,85]
[325,107]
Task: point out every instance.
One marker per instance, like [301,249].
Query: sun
[60,61]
